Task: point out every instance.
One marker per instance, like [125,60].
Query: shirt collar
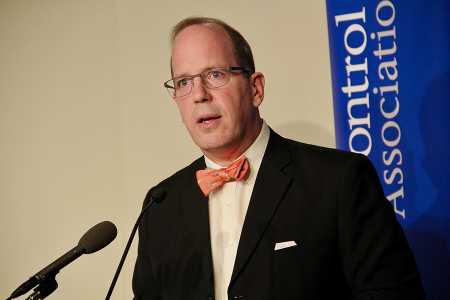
[254,153]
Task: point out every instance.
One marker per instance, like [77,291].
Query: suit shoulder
[321,160]
[318,166]
[182,175]
[178,179]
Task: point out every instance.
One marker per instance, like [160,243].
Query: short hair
[241,48]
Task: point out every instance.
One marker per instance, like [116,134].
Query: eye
[181,83]
[215,75]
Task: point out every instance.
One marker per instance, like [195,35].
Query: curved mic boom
[155,195]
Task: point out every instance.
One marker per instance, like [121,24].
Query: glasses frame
[230,70]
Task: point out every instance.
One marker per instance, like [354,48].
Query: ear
[257,82]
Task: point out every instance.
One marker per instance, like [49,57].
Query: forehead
[199,47]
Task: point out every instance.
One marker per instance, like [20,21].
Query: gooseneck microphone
[96,238]
[155,195]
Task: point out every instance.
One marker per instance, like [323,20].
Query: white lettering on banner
[392,114]
[354,29]
[355,121]
[361,15]
[399,194]
[382,5]
[389,103]
[356,67]
[363,135]
[385,94]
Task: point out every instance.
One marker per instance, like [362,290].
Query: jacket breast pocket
[287,270]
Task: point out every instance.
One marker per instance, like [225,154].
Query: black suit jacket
[349,244]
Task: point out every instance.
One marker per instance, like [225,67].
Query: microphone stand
[45,288]
[154,196]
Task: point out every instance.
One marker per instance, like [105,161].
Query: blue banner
[390,63]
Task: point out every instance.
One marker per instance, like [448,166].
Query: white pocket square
[282,245]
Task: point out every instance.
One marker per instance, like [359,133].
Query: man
[285,220]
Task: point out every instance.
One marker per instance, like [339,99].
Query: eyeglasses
[212,78]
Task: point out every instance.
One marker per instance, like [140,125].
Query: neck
[227,155]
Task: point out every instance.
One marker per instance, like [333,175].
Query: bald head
[241,49]
[186,52]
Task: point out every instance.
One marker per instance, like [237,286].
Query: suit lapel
[270,187]
[194,206]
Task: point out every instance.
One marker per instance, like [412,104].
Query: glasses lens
[178,87]
[217,77]
[182,86]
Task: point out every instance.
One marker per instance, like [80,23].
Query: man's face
[223,121]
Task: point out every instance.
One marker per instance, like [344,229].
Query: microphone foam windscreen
[98,236]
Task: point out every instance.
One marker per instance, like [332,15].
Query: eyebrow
[182,75]
[190,75]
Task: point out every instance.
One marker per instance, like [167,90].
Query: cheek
[232,106]
[184,113]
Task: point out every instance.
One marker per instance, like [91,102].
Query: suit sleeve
[376,258]
[145,286]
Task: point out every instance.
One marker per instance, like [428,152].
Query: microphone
[96,238]
[155,195]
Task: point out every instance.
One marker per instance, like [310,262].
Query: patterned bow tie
[210,180]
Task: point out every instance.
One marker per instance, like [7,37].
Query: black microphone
[155,195]
[93,240]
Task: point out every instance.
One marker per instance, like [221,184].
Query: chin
[218,140]
[211,143]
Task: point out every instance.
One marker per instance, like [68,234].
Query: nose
[199,92]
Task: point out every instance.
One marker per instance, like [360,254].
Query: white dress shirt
[227,210]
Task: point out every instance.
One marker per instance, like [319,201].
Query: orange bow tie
[210,180]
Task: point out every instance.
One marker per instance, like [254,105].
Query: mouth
[208,119]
